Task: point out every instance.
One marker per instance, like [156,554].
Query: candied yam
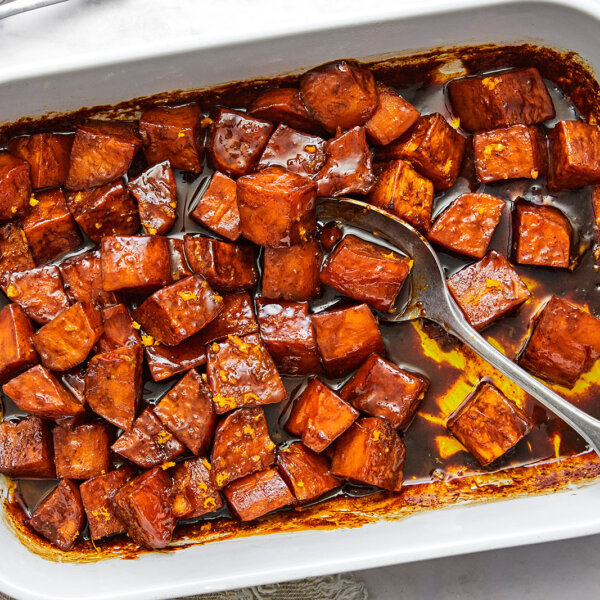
[118,329]
[17,353]
[330,235]
[346,337]
[488,423]
[242,373]
[194,493]
[467,225]
[277,208]
[15,186]
[15,254]
[236,141]
[236,318]
[166,361]
[179,265]
[488,289]
[283,105]
[82,452]
[370,452]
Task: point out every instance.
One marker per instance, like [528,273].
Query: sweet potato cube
[144,506]
[236,141]
[156,193]
[74,381]
[541,236]
[242,446]
[48,155]
[382,389]
[15,186]
[217,208]
[292,273]
[66,341]
[194,493]
[179,265]
[17,352]
[488,423]
[287,332]
[166,361]
[258,494]
[118,329]
[82,452]
[242,373]
[370,452]
[467,225]
[173,133]
[501,99]
[113,385]
[179,310]
[15,254]
[277,208]
[283,105]
[320,416]
[60,517]
[102,152]
[227,267]
[26,448]
[346,337]
[488,289]
[236,318]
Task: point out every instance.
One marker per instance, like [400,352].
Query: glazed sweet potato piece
[227,267]
[283,105]
[118,329]
[102,152]
[179,265]
[236,318]
[26,448]
[287,332]
[292,273]
[113,385]
[15,186]
[541,236]
[236,141]
[17,352]
[156,193]
[82,452]
[277,208]
[82,280]
[194,492]
[166,361]
[173,133]
[403,192]
[74,381]
[179,310]
[348,167]
[66,341]
[144,506]
[501,99]
[488,423]
[217,208]
[339,94]
[346,337]
[330,235]
[366,272]
[15,254]
[258,494]
[467,225]
[242,373]
[48,155]
[242,446]
[488,289]
[60,517]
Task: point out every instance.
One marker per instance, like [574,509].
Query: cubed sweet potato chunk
[166,361]
[467,225]
[292,273]
[236,318]
[26,448]
[501,99]
[242,373]
[277,208]
[194,492]
[564,344]
[346,337]
[283,105]
[156,193]
[488,289]
[236,141]
[113,385]
[173,133]
[82,280]
[118,329]
[179,310]
[15,254]
[330,235]
[227,267]
[179,265]
[187,411]
[102,152]
[74,381]
[541,236]
[402,191]
[15,186]
[144,506]
[60,517]
[217,208]
[370,452]
[48,155]
[382,389]
[287,332]
[17,352]
[488,423]
[242,446]
[66,341]
[82,452]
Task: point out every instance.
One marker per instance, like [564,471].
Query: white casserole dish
[262,559]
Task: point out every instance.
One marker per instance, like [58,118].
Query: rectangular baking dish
[262,559]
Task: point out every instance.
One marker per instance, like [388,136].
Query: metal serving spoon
[430,298]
